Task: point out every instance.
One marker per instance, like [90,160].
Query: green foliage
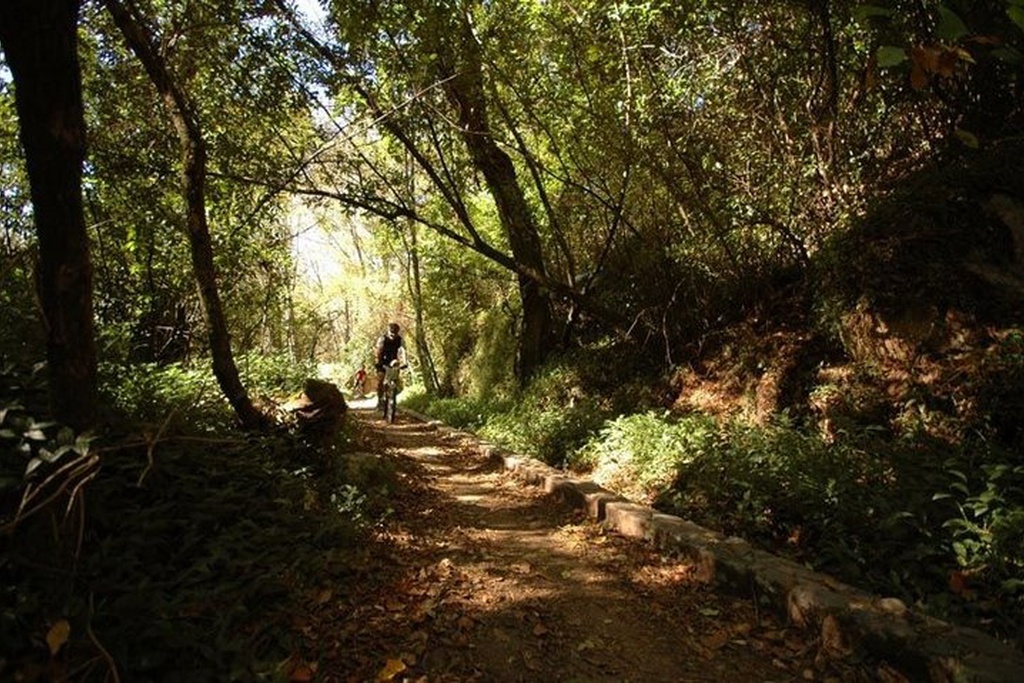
[273,374]
[561,408]
[638,454]
[34,449]
[985,533]
[189,397]
[542,429]
[239,73]
[866,512]
[999,404]
[548,432]
[489,369]
[789,491]
[20,328]
[152,393]
[463,413]
[551,417]
[189,563]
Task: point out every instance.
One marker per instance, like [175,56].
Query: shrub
[461,413]
[639,455]
[984,533]
[550,432]
[151,393]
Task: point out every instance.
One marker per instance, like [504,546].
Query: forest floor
[475,576]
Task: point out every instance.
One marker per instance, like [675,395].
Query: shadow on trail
[486,579]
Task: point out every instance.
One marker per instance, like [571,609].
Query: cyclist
[359,382]
[390,347]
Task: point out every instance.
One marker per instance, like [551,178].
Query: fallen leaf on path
[298,670]
[717,640]
[392,668]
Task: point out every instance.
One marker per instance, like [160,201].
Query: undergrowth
[945,536]
[183,559]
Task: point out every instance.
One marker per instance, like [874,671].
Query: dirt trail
[479,577]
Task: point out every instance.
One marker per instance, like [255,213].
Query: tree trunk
[427,367]
[463,83]
[40,43]
[193,179]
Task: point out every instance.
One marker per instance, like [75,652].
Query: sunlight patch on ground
[425,451]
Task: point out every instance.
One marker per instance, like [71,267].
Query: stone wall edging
[847,618]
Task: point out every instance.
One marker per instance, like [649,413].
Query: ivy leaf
[951,28]
[890,55]
[864,12]
[33,464]
[967,137]
[1016,14]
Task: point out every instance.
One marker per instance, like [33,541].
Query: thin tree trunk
[427,367]
[193,178]
[40,43]
[825,106]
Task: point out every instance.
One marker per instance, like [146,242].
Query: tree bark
[40,43]
[193,181]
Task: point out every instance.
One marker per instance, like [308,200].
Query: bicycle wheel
[393,404]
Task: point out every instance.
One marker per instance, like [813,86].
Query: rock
[319,410]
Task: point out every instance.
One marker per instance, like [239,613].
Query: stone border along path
[921,647]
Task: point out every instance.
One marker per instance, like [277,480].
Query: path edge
[847,619]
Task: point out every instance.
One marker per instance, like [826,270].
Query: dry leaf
[58,635]
[918,77]
[302,673]
[392,668]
